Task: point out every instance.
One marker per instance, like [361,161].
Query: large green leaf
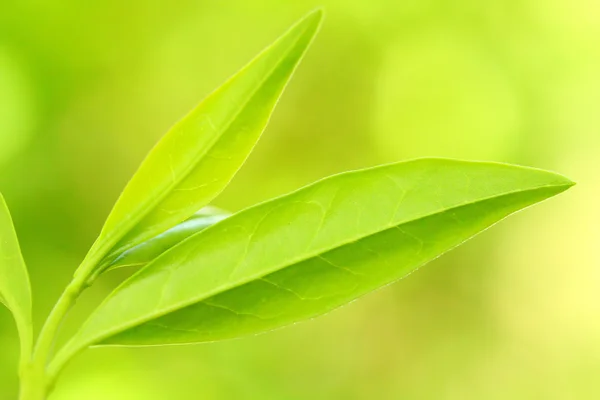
[194,161]
[147,251]
[306,253]
[15,291]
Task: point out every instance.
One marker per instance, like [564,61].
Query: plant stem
[34,385]
[35,382]
[50,328]
[26,342]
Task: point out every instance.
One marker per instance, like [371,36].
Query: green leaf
[147,251]
[194,162]
[15,290]
[306,253]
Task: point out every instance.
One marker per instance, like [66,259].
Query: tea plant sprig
[205,275]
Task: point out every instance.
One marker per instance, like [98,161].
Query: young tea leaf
[15,290]
[194,162]
[147,251]
[306,253]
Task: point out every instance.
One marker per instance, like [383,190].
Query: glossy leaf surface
[194,161]
[147,251]
[306,253]
[15,290]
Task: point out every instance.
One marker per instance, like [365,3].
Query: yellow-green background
[87,87]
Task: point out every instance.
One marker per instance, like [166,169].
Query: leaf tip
[317,12]
[314,18]
[569,183]
[562,181]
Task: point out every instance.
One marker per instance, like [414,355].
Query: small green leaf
[194,162]
[15,290]
[147,251]
[306,253]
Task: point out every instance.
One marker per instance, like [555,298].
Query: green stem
[34,385]
[35,382]
[50,328]
[26,342]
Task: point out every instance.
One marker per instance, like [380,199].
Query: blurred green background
[86,88]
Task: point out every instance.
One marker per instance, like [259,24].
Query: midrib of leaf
[308,256]
[112,240]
